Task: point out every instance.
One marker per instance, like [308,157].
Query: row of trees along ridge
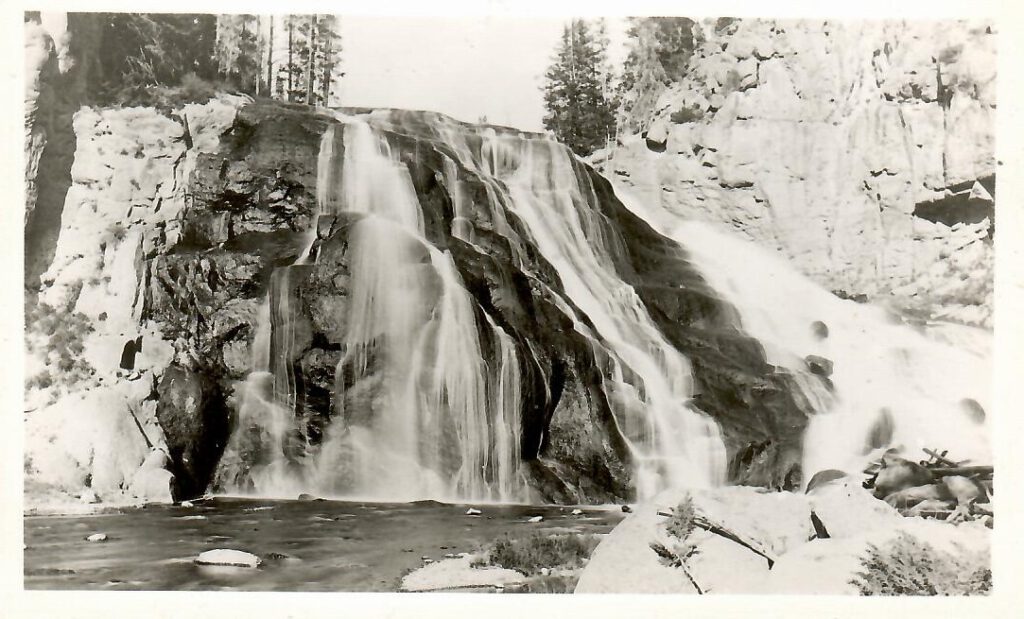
[295,58]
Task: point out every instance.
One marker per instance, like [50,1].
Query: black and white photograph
[505,303]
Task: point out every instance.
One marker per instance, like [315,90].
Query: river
[305,545]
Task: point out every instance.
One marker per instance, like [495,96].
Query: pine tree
[328,56]
[238,51]
[150,49]
[577,89]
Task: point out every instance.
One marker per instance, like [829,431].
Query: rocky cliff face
[862,151]
[177,228]
[58,63]
[91,403]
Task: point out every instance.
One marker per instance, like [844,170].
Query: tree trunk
[291,65]
[310,57]
[270,57]
[258,77]
[325,83]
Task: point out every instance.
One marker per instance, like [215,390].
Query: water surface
[305,545]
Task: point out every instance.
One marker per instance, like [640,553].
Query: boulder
[881,431]
[456,573]
[229,558]
[97,537]
[908,497]
[965,490]
[819,365]
[193,417]
[930,505]
[897,474]
[629,544]
[153,485]
[823,477]
[846,509]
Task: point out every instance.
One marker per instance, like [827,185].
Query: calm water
[305,545]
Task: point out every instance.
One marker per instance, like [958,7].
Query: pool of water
[305,545]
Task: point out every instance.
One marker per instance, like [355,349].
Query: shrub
[192,89]
[63,343]
[909,566]
[681,523]
[528,555]
[116,231]
[687,115]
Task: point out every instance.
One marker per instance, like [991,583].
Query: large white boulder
[229,558]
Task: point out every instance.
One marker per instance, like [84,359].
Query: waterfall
[266,404]
[924,383]
[672,444]
[418,412]
[427,393]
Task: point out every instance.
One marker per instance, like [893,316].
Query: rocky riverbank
[835,539]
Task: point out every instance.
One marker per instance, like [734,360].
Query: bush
[909,566]
[687,115]
[681,523]
[64,334]
[192,89]
[528,555]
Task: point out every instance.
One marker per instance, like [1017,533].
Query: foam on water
[925,377]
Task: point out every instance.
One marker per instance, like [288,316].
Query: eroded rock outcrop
[861,151]
[122,211]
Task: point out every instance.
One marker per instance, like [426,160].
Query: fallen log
[966,471]
[706,524]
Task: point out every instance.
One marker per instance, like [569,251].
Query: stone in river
[473,512]
[97,537]
[535,519]
[224,556]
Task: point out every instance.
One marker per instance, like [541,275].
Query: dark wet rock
[974,411]
[627,509]
[819,365]
[820,329]
[881,431]
[253,202]
[193,416]
[822,478]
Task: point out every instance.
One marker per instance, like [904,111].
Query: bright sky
[466,67]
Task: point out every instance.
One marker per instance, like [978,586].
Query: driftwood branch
[718,529]
[939,457]
[707,525]
[674,560]
[966,471]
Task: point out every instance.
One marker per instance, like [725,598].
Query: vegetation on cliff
[578,88]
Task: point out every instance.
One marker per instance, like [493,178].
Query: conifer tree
[150,49]
[238,51]
[328,56]
[577,89]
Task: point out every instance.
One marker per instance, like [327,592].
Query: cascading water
[672,444]
[427,396]
[894,385]
[418,412]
